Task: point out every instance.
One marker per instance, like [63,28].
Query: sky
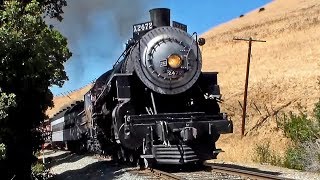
[97,29]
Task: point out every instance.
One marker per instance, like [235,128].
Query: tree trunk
[19,156]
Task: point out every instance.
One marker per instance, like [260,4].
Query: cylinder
[160,17]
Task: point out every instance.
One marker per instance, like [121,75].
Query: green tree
[32,57]
[6,101]
[51,8]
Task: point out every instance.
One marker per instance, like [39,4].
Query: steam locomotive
[155,106]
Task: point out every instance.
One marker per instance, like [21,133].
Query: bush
[40,172]
[264,154]
[276,160]
[311,156]
[261,9]
[38,168]
[304,132]
[317,112]
[299,128]
[304,154]
[294,158]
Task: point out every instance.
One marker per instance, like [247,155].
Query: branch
[275,112]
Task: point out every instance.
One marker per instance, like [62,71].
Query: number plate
[142,27]
[163,63]
[180,26]
[174,73]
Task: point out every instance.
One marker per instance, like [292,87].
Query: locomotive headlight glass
[174,61]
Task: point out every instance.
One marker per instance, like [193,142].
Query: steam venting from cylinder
[160,17]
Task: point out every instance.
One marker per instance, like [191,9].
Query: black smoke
[96,31]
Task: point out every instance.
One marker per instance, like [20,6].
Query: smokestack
[160,17]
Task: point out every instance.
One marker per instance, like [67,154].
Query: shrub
[299,128]
[38,168]
[294,158]
[304,132]
[39,171]
[311,156]
[276,160]
[264,154]
[261,9]
[317,112]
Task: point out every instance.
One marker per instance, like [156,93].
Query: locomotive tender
[155,105]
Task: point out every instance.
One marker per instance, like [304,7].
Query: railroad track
[165,175]
[245,172]
[156,174]
[211,171]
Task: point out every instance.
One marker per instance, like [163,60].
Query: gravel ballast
[69,166]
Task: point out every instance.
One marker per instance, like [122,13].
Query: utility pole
[244,112]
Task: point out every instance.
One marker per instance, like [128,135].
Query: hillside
[61,102]
[284,70]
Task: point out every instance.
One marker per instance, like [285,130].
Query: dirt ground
[284,71]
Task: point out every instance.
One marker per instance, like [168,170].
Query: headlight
[174,61]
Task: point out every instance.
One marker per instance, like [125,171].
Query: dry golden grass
[61,102]
[283,74]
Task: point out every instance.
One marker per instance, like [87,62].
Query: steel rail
[163,174]
[244,173]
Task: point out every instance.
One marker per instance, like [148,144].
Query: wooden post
[244,109]
[43,158]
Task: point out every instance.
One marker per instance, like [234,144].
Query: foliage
[317,112]
[299,128]
[6,101]
[31,57]
[264,154]
[304,132]
[310,158]
[35,51]
[38,168]
[51,8]
[39,171]
[2,151]
[294,158]
[275,159]
[304,154]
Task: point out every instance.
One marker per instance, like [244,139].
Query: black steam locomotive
[154,105]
